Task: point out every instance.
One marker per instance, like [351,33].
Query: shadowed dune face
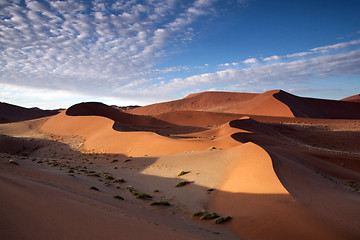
[319,108]
[12,113]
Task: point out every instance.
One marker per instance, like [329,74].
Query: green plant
[221,220]
[157,203]
[206,215]
[138,194]
[118,180]
[210,190]
[94,188]
[183,173]
[182,183]
[118,197]
[108,177]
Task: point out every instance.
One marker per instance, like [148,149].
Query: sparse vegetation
[212,148]
[94,188]
[118,197]
[210,190]
[352,185]
[108,177]
[119,180]
[182,183]
[127,160]
[183,173]
[115,160]
[138,194]
[221,220]
[207,215]
[159,203]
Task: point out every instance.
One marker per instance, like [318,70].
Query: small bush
[159,203]
[209,215]
[182,183]
[183,173]
[115,160]
[94,188]
[221,220]
[210,190]
[206,215]
[118,197]
[108,177]
[118,180]
[138,194]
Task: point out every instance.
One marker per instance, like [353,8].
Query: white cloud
[287,73]
[89,46]
[251,60]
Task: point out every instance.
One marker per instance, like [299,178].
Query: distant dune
[271,103]
[354,98]
[12,113]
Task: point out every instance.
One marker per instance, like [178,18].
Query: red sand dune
[354,98]
[280,173]
[12,113]
[271,103]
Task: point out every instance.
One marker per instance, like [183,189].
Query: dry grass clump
[183,173]
[207,215]
[182,183]
[159,203]
[94,188]
[118,197]
[138,194]
[119,180]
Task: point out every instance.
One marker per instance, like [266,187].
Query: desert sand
[281,166]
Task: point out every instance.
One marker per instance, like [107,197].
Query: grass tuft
[118,180]
[221,220]
[159,203]
[118,197]
[94,188]
[183,173]
[138,194]
[182,183]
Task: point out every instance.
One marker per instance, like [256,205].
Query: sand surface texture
[282,166]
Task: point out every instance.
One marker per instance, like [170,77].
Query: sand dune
[279,164]
[12,113]
[354,98]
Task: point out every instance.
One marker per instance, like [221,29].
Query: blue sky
[57,53]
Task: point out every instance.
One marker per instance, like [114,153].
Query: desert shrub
[182,183]
[118,197]
[183,173]
[94,188]
[221,220]
[159,203]
[115,160]
[118,180]
[108,177]
[138,194]
[210,190]
[205,215]
[209,215]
